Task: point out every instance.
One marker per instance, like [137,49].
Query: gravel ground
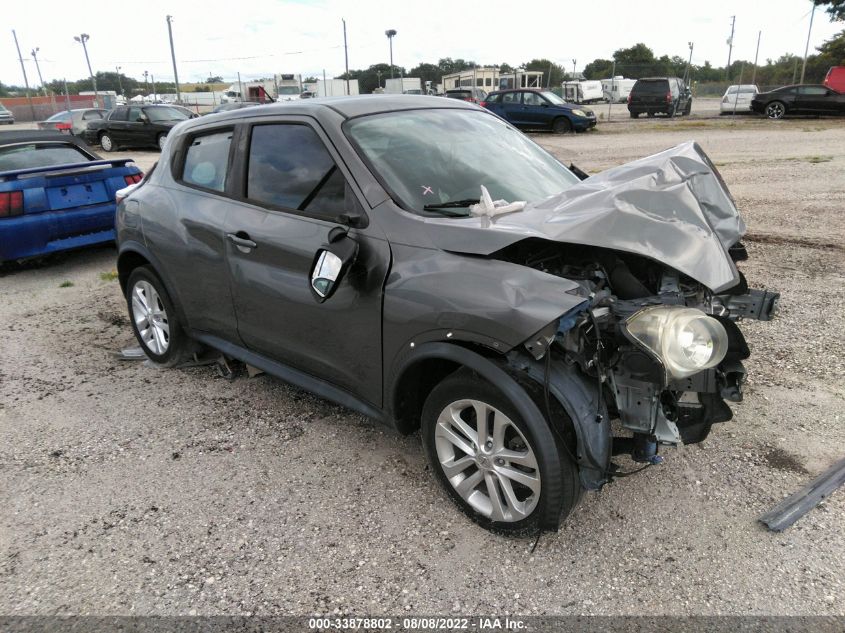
[132,490]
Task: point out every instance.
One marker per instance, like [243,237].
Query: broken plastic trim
[797,505]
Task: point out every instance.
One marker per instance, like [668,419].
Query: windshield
[553,97]
[651,87]
[165,114]
[430,157]
[289,90]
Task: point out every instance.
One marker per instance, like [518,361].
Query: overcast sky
[260,37]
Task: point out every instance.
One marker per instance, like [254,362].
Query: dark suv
[659,95]
[423,262]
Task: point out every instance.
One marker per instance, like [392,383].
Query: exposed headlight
[686,340]
[579,113]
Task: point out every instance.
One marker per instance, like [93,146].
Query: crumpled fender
[429,294]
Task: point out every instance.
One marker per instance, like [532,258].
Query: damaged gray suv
[421,261]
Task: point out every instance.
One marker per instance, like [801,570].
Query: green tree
[552,73]
[426,72]
[835,8]
[598,69]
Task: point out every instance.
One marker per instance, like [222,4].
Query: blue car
[56,194]
[539,109]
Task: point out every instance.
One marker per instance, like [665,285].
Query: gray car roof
[347,107]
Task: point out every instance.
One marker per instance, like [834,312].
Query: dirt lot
[130,490]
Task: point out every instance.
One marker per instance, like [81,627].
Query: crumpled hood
[672,207]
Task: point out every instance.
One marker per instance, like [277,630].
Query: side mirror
[331,263]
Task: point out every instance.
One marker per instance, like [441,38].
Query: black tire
[671,112]
[178,346]
[635,115]
[561,125]
[688,109]
[108,144]
[560,486]
[775,110]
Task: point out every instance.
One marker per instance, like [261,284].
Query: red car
[835,78]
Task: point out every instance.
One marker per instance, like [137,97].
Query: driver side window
[134,114]
[532,99]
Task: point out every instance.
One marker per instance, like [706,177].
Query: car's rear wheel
[162,139]
[562,125]
[775,110]
[155,320]
[492,463]
[671,112]
[107,143]
[688,109]
[635,115]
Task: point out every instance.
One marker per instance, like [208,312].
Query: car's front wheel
[562,125]
[155,320]
[775,110]
[107,143]
[497,467]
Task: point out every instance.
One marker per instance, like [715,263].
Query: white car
[738,98]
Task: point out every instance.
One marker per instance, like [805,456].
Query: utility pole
[754,72]
[173,57]
[82,39]
[612,86]
[689,63]
[67,96]
[153,81]
[38,68]
[574,61]
[730,48]
[346,57]
[390,34]
[146,82]
[119,82]
[807,47]
[240,86]
[25,80]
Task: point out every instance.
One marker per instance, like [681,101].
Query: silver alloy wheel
[162,139]
[487,460]
[775,110]
[106,143]
[150,317]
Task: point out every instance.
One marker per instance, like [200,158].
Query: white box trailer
[617,89]
[582,91]
[337,87]
[403,86]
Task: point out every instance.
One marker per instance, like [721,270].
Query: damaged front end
[664,351]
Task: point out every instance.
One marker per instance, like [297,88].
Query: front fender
[499,304]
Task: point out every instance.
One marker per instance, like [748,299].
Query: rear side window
[118,114]
[511,97]
[31,155]
[207,159]
[92,115]
[289,167]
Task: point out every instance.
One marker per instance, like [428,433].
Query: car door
[185,227]
[117,123]
[817,100]
[294,188]
[512,107]
[136,126]
[535,110]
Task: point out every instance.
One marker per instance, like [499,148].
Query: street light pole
[730,49]
[346,57]
[390,34]
[146,82]
[173,57]
[82,39]
[689,63]
[38,68]
[574,61]
[119,82]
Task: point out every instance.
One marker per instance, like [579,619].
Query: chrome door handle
[241,242]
